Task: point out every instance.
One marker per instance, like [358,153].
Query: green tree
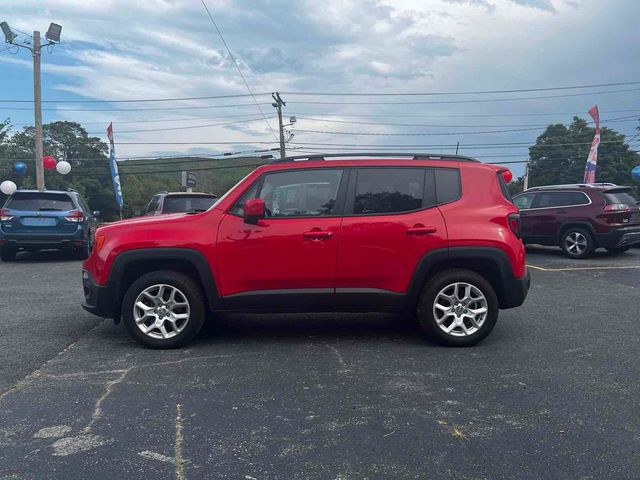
[560,153]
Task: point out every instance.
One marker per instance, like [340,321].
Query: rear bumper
[42,242]
[514,292]
[620,237]
[97,298]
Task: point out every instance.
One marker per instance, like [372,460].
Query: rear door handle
[421,230]
[317,234]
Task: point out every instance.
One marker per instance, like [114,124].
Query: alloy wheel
[161,311]
[460,309]
[575,243]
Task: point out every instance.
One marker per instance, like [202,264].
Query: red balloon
[507,175]
[49,162]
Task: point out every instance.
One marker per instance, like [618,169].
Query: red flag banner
[592,159]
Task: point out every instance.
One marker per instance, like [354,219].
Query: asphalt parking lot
[552,393]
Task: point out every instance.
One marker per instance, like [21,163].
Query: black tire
[84,252]
[617,249]
[583,250]
[191,291]
[426,308]
[8,254]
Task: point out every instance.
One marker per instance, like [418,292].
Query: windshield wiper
[45,209]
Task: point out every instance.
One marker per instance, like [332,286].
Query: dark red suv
[580,218]
[361,232]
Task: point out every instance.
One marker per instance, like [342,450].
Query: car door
[548,212]
[391,220]
[293,249]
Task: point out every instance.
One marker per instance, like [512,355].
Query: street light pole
[53,37]
[37,103]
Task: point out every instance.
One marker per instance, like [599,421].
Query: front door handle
[421,230]
[317,234]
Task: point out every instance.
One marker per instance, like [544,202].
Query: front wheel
[458,308]
[163,309]
[577,243]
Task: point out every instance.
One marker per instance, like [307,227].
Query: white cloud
[168,48]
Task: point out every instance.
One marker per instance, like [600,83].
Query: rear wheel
[577,243]
[458,308]
[617,249]
[163,309]
[8,254]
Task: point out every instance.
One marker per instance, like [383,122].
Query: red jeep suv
[428,234]
[580,218]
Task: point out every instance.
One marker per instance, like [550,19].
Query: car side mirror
[96,213]
[253,210]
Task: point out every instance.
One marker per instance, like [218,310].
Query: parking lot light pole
[53,37]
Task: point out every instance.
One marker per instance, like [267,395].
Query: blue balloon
[635,173]
[20,168]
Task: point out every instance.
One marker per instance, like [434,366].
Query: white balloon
[8,187]
[63,167]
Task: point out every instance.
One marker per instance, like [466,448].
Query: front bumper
[620,237]
[515,292]
[97,298]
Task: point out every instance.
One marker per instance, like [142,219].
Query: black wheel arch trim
[511,291]
[193,257]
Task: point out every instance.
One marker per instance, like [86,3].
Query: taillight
[514,224]
[4,215]
[617,207]
[75,216]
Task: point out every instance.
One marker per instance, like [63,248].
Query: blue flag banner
[113,165]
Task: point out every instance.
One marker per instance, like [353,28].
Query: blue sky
[168,48]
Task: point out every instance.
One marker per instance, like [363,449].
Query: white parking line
[566,269]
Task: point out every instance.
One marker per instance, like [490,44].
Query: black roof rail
[409,156]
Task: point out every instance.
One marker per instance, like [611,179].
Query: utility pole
[53,37]
[526,176]
[278,104]
[37,104]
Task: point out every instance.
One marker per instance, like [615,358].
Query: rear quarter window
[40,202]
[447,184]
[621,196]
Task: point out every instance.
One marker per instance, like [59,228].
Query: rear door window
[40,202]
[388,190]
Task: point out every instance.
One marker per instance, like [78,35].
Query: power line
[477,92]
[135,109]
[181,128]
[620,119]
[237,67]
[143,100]
[463,115]
[404,134]
[446,102]
[117,122]
[333,94]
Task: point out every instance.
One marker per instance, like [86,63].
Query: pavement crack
[334,349]
[97,410]
[178,458]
